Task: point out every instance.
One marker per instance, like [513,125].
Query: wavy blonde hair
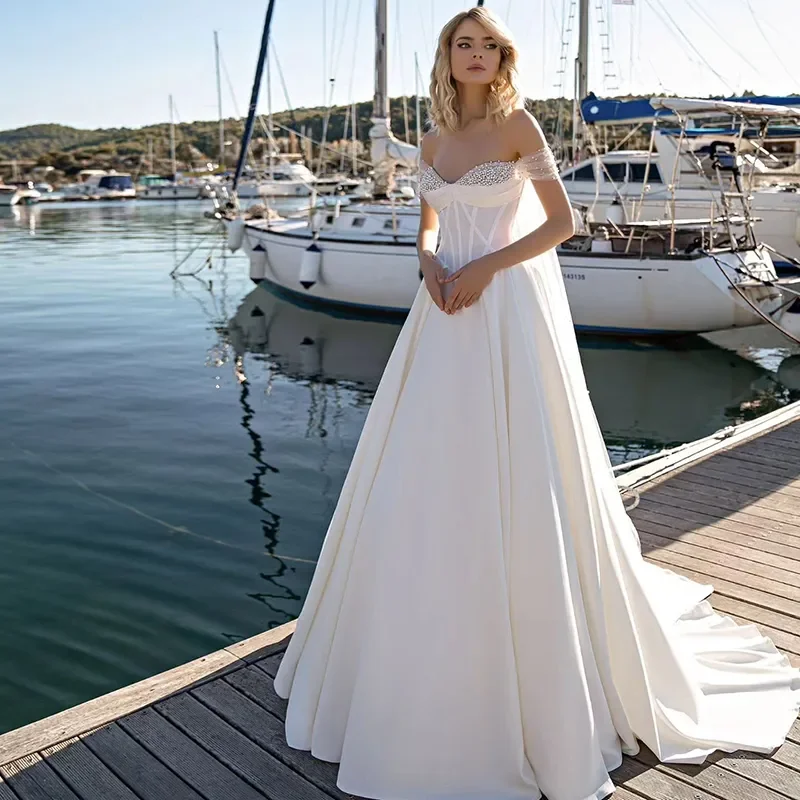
[504,94]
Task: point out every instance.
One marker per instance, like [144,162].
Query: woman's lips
[477,68]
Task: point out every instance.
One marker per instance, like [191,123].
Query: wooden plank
[78,766]
[784,555]
[655,785]
[757,461]
[32,778]
[267,730]
[691,569]
[738,497]
[263,644]
[5,791]
[136,766]
[270,665]
[760,616]
[761,770]
[186,758]
[87,716]
[736,553]
[771,579]
[735,476]
[754,516]
[760,591]
[257,686]
[711,778]
[724,503]
[238,752]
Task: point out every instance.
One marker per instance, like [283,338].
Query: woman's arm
[428,235]
[559,225]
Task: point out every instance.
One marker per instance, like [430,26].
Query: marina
[214,727]
[198,316]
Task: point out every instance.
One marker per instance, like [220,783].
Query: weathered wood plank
[32,778]
[655,785]
[763,617]
[761,770]
[267,730]
[706,548]
[78,766]
[681,501]
[87,716]
[761,548]
[255,684]
[712,779]
[136,766]
[730,581]
[263,644]
[758,462]
[238,752]
[780,581]
[5,791]
[270,665]
[746,480]
[202,771]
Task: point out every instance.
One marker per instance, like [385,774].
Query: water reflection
[647,394]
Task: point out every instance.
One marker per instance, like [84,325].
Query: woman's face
[474,55]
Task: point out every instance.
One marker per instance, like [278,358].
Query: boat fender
[258,263]
[310,266]
[235,234]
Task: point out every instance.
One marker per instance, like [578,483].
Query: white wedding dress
[481,624]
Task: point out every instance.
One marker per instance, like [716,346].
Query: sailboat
[644,277]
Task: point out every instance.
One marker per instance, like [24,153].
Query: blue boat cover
[610,112]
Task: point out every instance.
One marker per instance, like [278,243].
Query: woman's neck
[472,102]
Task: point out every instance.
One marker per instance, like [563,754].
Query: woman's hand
[468,284]
[433,274]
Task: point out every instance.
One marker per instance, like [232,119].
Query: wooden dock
[727,512]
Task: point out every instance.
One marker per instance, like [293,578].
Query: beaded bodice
[489,206]
[538,166]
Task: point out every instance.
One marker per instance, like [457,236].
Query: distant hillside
[70,149]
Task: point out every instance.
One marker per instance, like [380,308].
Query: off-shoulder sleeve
[539,166]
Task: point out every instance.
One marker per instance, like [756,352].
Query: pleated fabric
[481,624]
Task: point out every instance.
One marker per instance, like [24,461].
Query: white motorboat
[157,187]
[676,176]
[18,194]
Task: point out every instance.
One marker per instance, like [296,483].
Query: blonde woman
[480,623]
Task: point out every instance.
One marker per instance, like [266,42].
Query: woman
[481,623]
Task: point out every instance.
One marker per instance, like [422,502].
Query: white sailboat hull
[607,292]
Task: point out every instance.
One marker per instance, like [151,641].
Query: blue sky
[104,63]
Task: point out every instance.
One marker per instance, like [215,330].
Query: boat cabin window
[585,173]
[616,172]
[358,222]
[389,224]
[329,219]
[116,182]
[638,171]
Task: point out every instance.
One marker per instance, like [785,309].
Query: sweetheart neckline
[468,172]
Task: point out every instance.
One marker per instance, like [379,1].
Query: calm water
[172,448]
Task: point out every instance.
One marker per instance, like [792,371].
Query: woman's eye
[491,46]
[463,44]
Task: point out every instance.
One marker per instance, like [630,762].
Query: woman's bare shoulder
[429,146]
[524,132]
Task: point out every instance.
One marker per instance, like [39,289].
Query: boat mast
[581,78]
[380,132]
[251,111]
[172,139]
[416,101]
[219,105]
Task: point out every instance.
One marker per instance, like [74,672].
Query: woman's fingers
[455,276]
